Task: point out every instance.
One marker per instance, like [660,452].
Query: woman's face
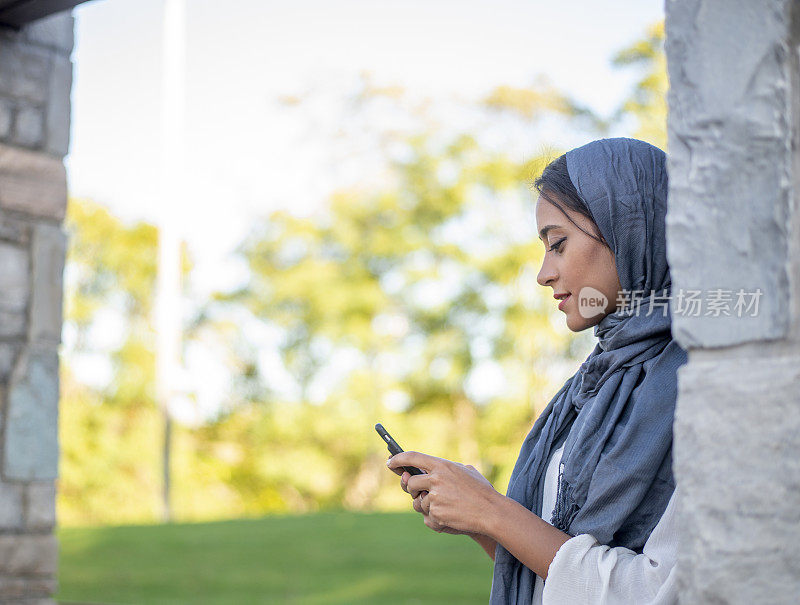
[577,264]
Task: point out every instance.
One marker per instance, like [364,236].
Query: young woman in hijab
[598,461]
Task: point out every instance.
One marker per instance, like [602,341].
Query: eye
[558,245]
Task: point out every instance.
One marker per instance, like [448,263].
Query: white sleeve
[585,571]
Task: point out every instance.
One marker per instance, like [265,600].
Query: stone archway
[734,223]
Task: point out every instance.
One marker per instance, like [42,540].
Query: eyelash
[557,246]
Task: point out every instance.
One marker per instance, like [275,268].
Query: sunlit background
[357,245]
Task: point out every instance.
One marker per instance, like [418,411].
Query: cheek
[592,267]
[601,262]
[583,264]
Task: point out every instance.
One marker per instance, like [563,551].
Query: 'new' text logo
[591,302]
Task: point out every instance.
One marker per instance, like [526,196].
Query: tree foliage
[410,301]
[648,100]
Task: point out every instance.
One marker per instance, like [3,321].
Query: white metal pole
[168,308]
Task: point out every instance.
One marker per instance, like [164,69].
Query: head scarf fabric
[615,414]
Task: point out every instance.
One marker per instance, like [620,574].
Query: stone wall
[35,81]
[734,223]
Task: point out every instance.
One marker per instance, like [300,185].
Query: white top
[585,571]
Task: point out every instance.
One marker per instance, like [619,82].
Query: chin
[579,324]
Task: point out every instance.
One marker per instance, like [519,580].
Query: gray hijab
[614,415]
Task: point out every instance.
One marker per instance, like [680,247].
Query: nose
[547,274]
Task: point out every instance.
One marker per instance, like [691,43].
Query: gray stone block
[55,31]
[794,111]
[14,278]
[14,231]
[58,108]
[47,256]
[32,183]
[6,118]
[28,554]
[13,325]
[27,590]
[729,164]
[34,601]
[40,506]
[737,434]
[29,127]
[8,357]
[24,71]
[14,264]
[11,506]
[31,422]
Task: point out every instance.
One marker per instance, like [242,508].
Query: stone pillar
[734,226]
[35,81]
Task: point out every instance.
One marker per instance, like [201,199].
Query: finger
[422,461]
[420,504]
[404,482]
[417,493]
[396,471]
[418,483]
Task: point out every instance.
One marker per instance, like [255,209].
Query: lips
[564,298]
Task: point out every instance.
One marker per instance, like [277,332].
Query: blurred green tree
[109,421]
[541,100]
[419,283]
[411,301]
[647,102]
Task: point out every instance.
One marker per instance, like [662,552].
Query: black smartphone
[395,449]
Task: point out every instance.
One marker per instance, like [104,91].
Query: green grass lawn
[335,557]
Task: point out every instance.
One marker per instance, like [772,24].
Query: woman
[598,460]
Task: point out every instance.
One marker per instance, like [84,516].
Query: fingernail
[389,461]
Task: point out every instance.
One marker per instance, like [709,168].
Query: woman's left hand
[459,497]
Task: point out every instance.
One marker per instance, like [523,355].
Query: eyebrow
[543,231]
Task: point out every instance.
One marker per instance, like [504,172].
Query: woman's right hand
[422,506]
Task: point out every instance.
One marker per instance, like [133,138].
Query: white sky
[243,55]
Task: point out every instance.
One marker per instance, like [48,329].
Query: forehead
[552,220]
[548,217]
[546,209]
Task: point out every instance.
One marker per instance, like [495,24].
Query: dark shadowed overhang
[16,13]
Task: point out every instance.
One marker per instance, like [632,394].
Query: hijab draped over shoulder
[615,414]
